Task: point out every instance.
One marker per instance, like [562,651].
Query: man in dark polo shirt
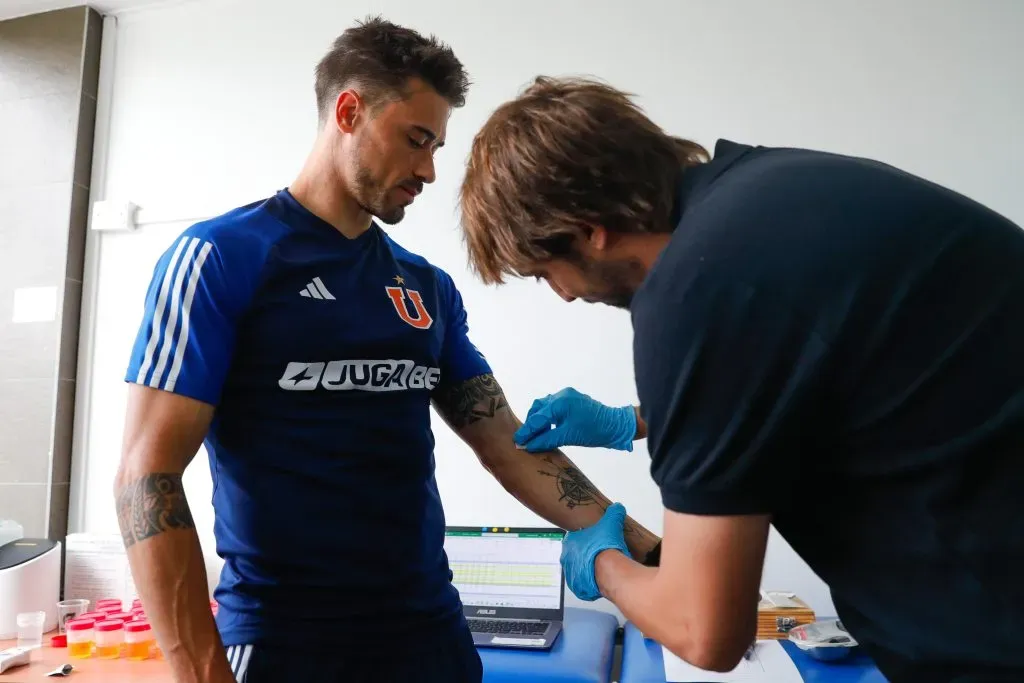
[823,343]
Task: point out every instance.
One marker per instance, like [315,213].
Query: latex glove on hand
[581,548]
[578,421]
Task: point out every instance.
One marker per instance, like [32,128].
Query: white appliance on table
[29,582]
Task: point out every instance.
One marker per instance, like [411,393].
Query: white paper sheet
[769,663]
[96,567]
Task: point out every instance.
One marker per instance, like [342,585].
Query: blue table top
[642,662]
[582,654]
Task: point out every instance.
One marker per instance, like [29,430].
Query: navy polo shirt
[840,345]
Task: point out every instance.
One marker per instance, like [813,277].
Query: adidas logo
[316,290]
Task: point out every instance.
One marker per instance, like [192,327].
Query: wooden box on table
[778,612]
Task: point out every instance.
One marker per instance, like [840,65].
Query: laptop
[511,584]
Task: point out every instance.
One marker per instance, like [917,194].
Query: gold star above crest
[399,280]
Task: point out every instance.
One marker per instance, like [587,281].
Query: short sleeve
[727,377]
[199,289]
[460,359]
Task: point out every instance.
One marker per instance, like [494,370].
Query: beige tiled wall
[49,66]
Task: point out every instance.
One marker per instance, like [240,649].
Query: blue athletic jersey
[320,354]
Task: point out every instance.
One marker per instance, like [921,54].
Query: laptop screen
[511,569]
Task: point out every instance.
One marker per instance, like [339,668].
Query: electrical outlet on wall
[114,216]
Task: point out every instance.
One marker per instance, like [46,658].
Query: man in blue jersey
[822,343]
[304,347]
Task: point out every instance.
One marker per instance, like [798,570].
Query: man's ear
[593,238]
[346,110]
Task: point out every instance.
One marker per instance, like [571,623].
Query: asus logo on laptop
[486,611]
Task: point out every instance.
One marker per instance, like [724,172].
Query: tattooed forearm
[642,543]
[151,505]
[548,483]
[470,401]
[574,488]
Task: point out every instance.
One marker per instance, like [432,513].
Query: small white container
[109,639]
[80,634]
[138,640]
[30,629]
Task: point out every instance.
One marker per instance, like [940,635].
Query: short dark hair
[566,151]
[379,58]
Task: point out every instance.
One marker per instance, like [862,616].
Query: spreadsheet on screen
[506,569]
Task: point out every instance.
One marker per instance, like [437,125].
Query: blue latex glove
[578,421]
[581,548]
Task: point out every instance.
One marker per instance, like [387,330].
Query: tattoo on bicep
[573,486]
[151,505]
[473,400]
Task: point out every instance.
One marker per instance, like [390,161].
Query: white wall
[212,106]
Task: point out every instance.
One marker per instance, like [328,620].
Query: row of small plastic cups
[109,635]
[111,610]
[108,619]
[112,615]
[113,605]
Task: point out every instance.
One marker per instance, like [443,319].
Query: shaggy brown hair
[566,152]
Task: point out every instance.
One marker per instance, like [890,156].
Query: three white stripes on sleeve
[175,296]
[238,657]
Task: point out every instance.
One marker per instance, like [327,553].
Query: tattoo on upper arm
[471,401]
[151,505]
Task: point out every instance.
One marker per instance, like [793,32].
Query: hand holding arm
[579,420]
[163,431]
[701,603]
[548,483]
[580,551]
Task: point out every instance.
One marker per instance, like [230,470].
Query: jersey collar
[298,216]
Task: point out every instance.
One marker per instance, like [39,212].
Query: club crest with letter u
[418,317]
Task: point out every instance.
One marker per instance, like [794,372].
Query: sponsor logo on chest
[367,375]
[359,375]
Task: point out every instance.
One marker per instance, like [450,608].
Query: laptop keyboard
[512,628]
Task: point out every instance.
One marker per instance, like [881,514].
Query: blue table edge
[649,666]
